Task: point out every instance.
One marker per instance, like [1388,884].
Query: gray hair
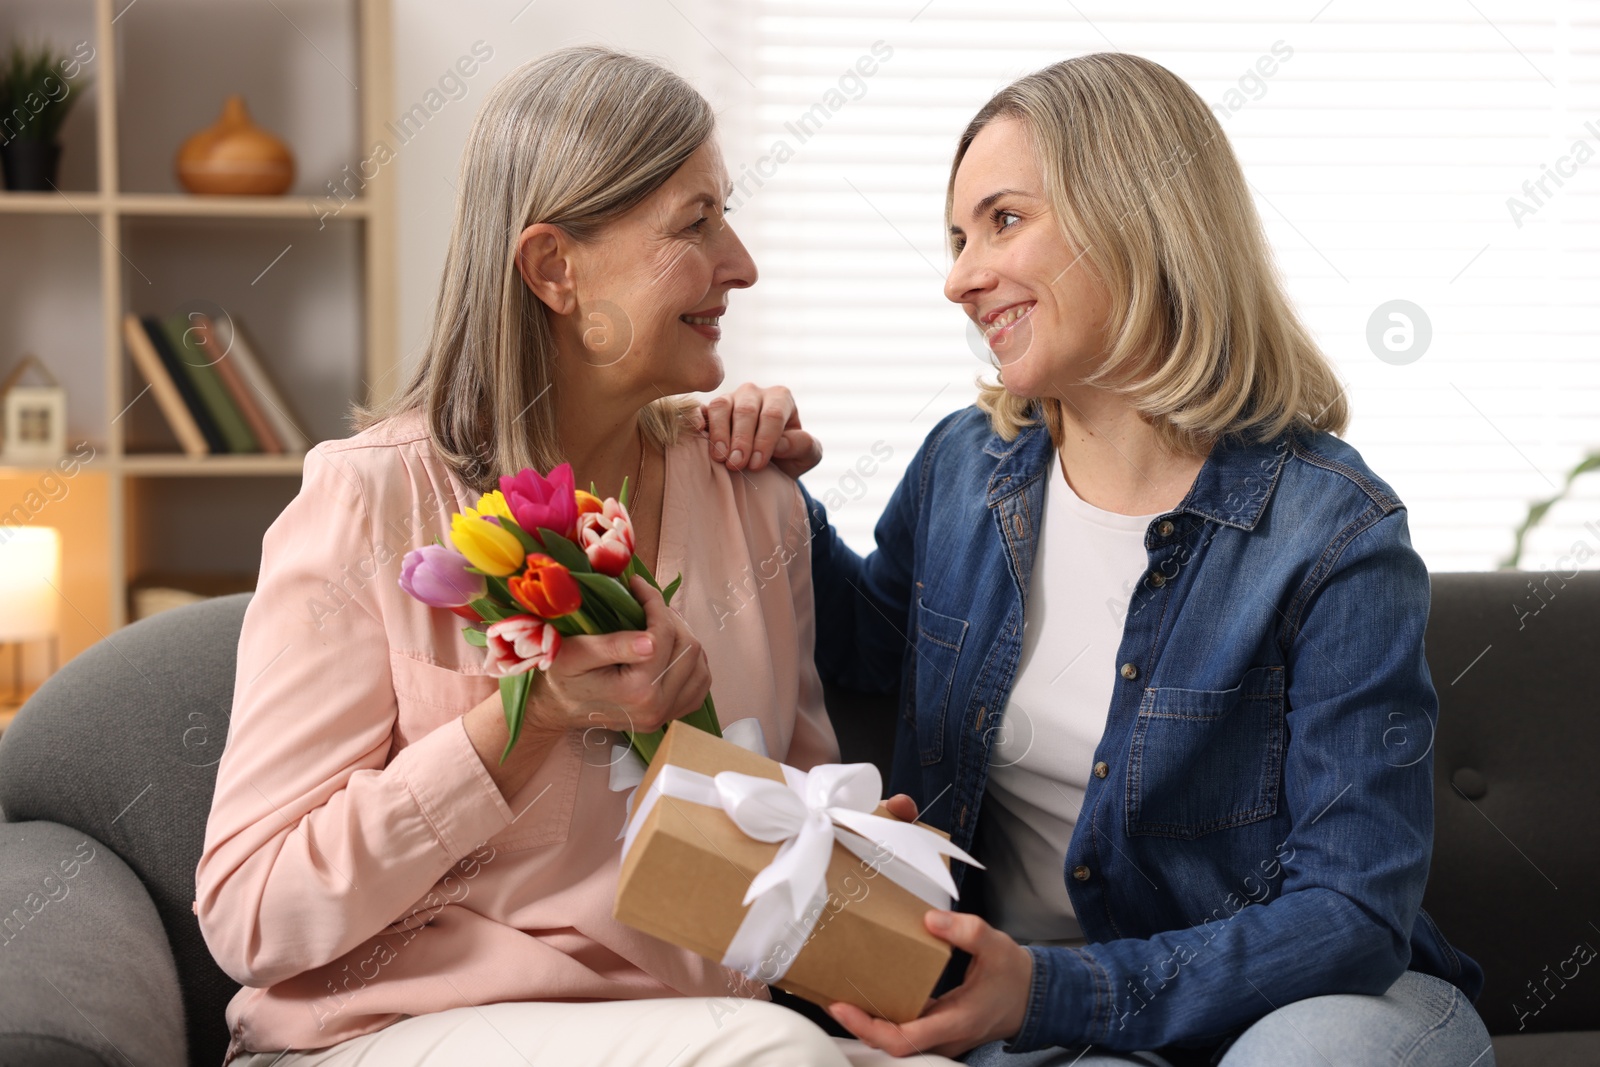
[574,138]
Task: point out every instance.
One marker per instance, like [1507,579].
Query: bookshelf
[120,236]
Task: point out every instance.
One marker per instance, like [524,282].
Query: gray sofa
[106,779]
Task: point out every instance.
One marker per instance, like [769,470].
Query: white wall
[1389,147]
[430,36]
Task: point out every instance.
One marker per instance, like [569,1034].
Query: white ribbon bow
[806,813]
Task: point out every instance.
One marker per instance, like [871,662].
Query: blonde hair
[563,139]
[1203,340]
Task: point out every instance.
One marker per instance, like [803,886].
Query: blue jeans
[1421,1021]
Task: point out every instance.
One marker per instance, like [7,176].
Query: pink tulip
[520,644]
[606,537]
[549,502]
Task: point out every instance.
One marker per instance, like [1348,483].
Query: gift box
[800,879]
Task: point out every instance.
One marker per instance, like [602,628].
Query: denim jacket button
[1101,770]
[1165,529]
[1081,873]
[1129,671]
[1158,579]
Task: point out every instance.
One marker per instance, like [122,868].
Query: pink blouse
[359,862]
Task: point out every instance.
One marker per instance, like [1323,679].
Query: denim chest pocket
[1207,759]
[430,696]
[938,648]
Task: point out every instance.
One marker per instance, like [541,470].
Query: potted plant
[1539,509]
[35,97]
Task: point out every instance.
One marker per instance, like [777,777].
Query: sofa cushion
[1547,1050]
[123,745]
[88,977]
[1516,859]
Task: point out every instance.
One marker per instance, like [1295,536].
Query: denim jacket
[1259,820]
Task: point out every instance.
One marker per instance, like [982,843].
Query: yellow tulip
[494,503]
[486,546]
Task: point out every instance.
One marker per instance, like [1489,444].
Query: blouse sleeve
[814,740]
[317,839]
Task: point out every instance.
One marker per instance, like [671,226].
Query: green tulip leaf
[615,598]
[488,610]
[514,698]
[564,552]
[529,542]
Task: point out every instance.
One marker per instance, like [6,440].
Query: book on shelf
[211,387]
[208,384]
[230,334]
[241,393]
[170,391]
[172,359]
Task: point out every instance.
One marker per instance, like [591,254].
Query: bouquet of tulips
[535,560]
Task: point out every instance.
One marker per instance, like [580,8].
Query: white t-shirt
[1085,568]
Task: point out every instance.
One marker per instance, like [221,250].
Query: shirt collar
[1232,488]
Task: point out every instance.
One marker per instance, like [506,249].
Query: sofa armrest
[86,974]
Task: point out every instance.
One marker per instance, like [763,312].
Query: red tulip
[520,644]
[606,537]
[546,588]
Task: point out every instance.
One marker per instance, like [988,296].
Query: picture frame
[34,416]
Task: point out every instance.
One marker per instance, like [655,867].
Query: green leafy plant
[35,96]
[1539,509]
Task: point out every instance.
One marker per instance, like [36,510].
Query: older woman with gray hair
[382,885]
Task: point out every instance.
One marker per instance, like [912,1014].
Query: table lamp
[30,605]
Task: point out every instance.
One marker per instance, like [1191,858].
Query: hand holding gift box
[801,879]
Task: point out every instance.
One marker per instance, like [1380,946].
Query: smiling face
[1029,291]
[639,305]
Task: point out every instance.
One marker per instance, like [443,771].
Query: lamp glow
[30,574]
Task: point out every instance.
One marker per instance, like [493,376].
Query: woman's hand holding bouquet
[538,560]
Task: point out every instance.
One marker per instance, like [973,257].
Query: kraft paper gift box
[687,867]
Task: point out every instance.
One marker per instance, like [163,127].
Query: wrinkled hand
[752,425]
[628,680]
[987,1006]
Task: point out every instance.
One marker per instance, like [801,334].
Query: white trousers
[653,1032]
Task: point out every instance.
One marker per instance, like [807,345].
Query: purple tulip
[438,577]
[536,501]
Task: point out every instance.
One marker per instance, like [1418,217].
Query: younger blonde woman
[1155,629]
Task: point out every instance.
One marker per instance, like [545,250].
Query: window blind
[1444,153]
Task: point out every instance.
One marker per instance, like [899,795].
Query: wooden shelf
[324,319]
[236,207]
[29,470]
[209,466]
[177,205]
[67,203]
[147,464]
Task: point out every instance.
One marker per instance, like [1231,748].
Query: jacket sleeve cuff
[453,789]
[1068,1000]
